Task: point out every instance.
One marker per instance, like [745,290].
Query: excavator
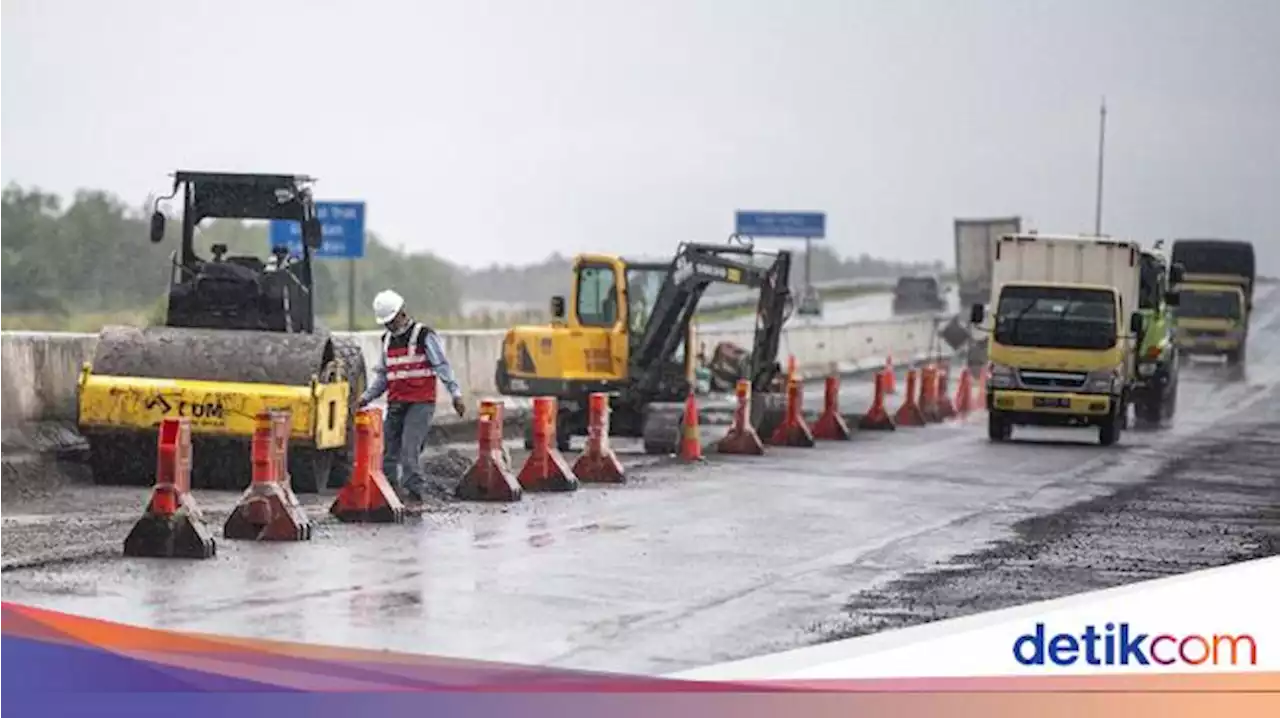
[239,337]
[621,332]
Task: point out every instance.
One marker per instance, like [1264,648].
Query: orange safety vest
[410,377]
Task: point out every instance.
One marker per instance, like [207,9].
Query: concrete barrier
[39,370]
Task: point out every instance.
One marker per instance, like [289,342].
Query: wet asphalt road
[692,565]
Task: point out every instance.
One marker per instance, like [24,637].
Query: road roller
[238,338]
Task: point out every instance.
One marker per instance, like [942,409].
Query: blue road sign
[342,226]
[811,225]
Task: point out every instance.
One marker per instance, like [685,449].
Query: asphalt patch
[1217,507]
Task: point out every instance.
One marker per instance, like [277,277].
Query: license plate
[1051,401]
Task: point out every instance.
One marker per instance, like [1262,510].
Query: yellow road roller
[239,337]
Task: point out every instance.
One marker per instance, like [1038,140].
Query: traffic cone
[599,463]
[831,425]
[546,469]
[946,410]
[368,496]
[793,431]
[742,437]
[690,441]
[929,394]
[267,511]
[171,525]
[964,394]
[877,418]
[891,378]
[909,413]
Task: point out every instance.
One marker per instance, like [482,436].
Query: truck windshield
[1056,318]
[1151,283]
[1200,304]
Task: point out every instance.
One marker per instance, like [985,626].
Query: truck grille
[1052,380]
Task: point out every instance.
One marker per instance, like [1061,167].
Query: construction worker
[412,361]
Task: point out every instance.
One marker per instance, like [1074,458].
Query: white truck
[975,251]
[1064,331]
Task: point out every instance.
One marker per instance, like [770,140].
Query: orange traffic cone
[690,443]
[964,394]
[877,418]
[909,413]
[890,378]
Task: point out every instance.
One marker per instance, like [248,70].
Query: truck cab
[1155,391]
[1063,333]
[1211,320]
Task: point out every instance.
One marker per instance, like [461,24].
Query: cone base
[489,479]
[546,470]
[796,434]
[831,427]
[599,468]
[742,442]
[181,535]
[265,514]
[877,421]
[910,415]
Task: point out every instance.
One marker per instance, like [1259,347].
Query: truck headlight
[1099,382]
[1002,377]
[1146,369]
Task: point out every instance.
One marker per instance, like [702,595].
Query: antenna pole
[1102,145]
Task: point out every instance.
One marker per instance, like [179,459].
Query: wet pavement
[685,566]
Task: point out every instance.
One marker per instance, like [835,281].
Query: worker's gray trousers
[404,436]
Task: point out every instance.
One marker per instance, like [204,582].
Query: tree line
[88,256]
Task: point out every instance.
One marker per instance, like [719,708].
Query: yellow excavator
[621,330]
[239,337]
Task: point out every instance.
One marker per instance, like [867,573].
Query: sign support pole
[351,294]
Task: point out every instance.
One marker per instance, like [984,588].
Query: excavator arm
[694,268]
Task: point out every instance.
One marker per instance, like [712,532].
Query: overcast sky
[503,131]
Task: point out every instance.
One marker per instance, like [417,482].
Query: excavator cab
[623,329]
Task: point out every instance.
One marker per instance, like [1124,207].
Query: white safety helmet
[387,305]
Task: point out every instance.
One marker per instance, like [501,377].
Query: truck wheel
[1109,431]
[998,429]
[1151,410]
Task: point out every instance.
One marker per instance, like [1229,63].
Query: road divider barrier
[877,417]
[830,425]
[742,437]
[171,525]
[269,510]
[909,413]
[546,469]
[891,378]
[598,463]
[367,497]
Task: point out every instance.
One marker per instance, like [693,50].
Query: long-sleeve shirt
[434,349]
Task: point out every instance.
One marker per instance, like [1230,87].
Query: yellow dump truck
[1062,344]
[1211,320]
